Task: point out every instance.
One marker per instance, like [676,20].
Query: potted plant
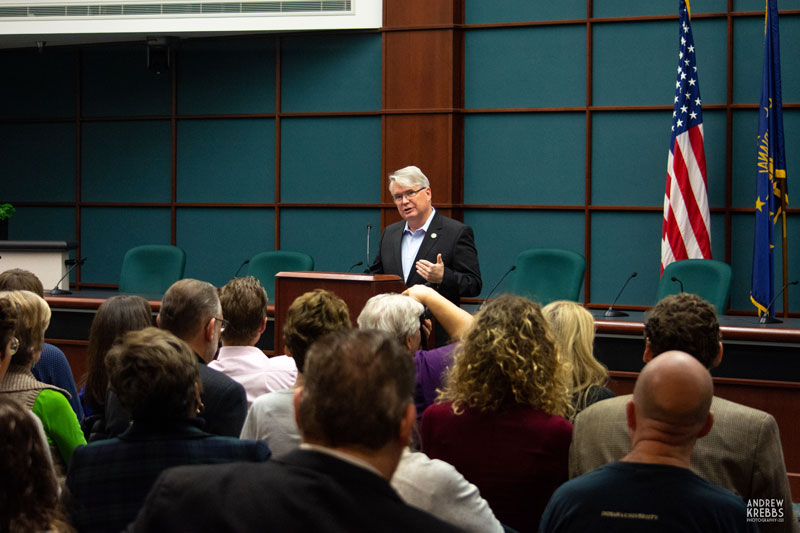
[6,212]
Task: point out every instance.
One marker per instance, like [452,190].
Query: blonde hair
[508,356]
[33,317]
[573,328]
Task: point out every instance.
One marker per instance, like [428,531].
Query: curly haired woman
[500,418]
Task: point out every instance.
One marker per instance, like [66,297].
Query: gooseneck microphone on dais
[614,312]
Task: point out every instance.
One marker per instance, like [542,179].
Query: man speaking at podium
[426,247]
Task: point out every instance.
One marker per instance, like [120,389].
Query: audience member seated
[244,306]
[191,311]
[355,412]
[115,317]
[400,315]
[653,488]
[154,375]
[30,497]
[501,417]
[53,367]
[48,402]
[573,327]
[742,452]
[310,316]
[9,344]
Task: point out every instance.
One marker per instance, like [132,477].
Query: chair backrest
[548,274]
[708,278]
[151,269]
[265,265]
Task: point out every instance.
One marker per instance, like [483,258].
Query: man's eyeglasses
[14,345]
[408,195]
[223,323]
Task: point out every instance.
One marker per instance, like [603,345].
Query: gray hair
[393,313]
[409,176]
[187,306]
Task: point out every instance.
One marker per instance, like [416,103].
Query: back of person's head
[187,307]
[154,374]
[115,317]
[358,386]
[17,279]
[244,306]
[508,356]
[573,328]
[8,322]
[311,316]
[409,176]
[30,492]
[684,322]
[33,317]
[392,313]
[674,393]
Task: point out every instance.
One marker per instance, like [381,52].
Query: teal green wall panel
[126,162]
[714,143]
[758,5]
[629,157]
[331,160]
[635,8]
[107,233]
[38,85]
[235,76]
[336,72]
[335,238]
[623,243]
[37,162]
[226,160]
[116,82]
[525,67]
[482,12]
[748,58]
[635,64]
[42,224]
[501,235]
[743,226]
[218,240]
[524,158]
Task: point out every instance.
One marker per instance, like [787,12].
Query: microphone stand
[767,318]
[614,312]
[509,271]
[62,292]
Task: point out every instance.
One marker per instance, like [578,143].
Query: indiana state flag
[771,193]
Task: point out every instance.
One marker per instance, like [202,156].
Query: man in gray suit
[743,450]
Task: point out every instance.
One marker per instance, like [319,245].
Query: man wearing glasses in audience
[427,247]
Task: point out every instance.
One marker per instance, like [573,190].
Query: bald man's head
[674,389]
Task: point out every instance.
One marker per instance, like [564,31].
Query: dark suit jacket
[452,239]
[304,491]
[109,480]
[225,407]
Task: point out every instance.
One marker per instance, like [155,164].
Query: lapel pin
[433,235]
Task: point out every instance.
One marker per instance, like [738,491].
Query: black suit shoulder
[225,402]
[303,491]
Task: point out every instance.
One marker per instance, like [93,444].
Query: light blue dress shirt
[410,244]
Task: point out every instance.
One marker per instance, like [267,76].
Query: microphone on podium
[614,312]
[673,278]
[355,265]
[72,263]
[245,262]
[766,318]
[509,271]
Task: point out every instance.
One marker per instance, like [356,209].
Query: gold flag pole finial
[688,9]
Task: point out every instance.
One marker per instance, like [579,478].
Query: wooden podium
[354,289]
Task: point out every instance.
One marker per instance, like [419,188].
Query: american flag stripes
[685,232]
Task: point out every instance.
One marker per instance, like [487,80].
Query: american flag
[685,230]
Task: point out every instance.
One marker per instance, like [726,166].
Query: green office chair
[265,265]
[708,278]
[548,274]
[151,269]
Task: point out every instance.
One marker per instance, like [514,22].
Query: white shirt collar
[340,455]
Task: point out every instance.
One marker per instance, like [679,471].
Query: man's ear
[208,331]
[158,320]
[407,424]
[709,423]
[718,358]
[263,326]
[296,401]
[647,356]
[630,414]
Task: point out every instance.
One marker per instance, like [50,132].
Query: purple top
[431,365]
